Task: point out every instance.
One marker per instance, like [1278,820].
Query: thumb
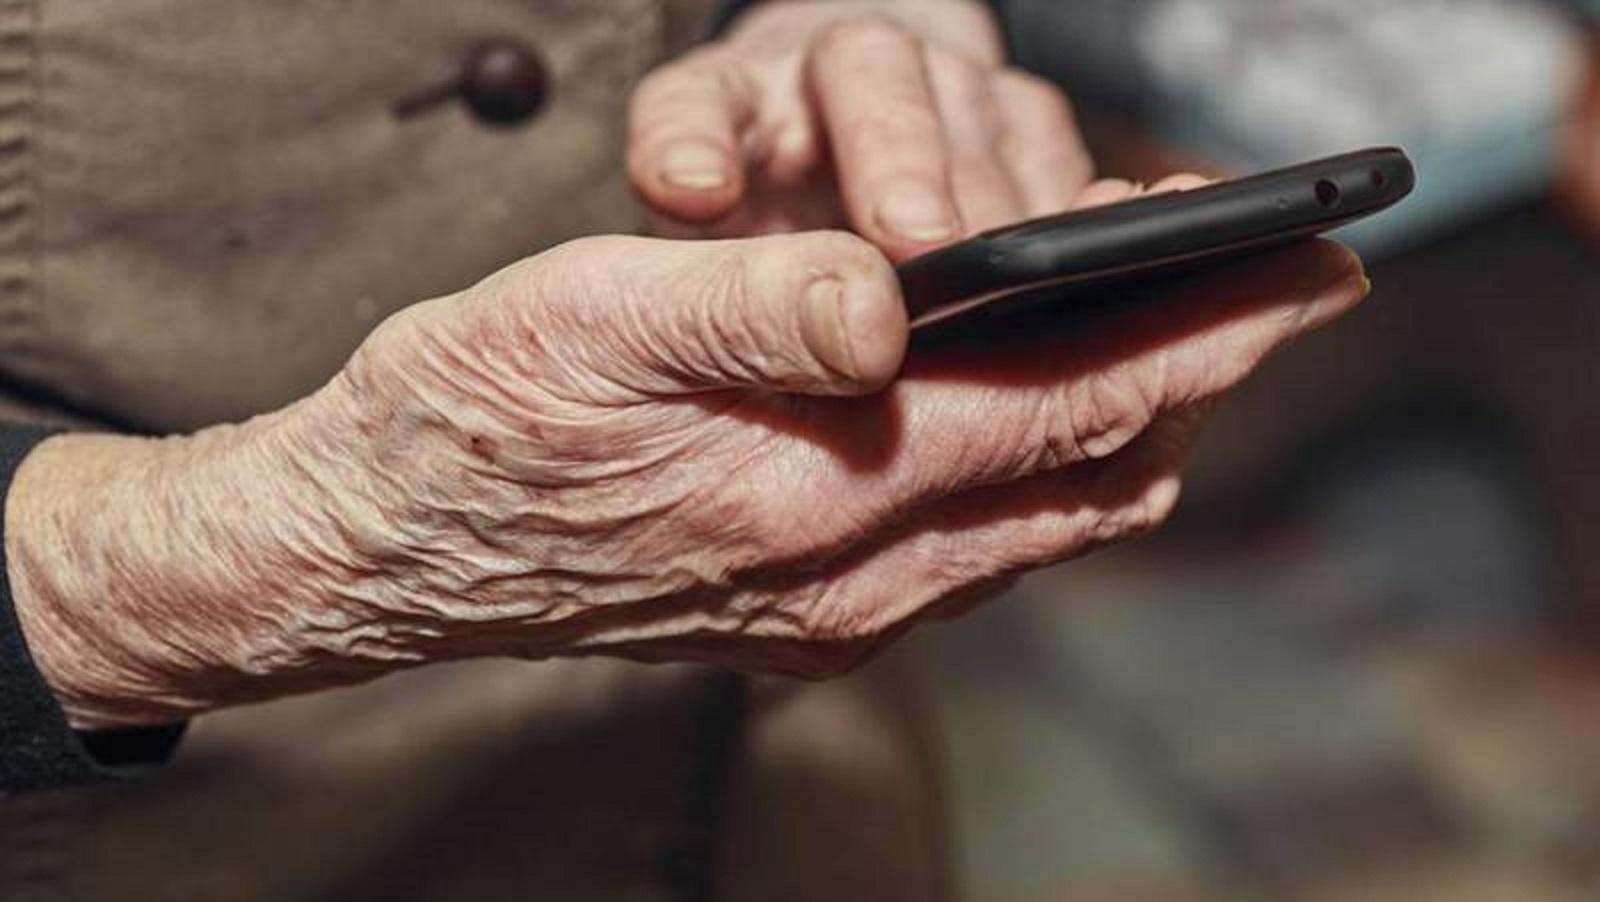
[815,313]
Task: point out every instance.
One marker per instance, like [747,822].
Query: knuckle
[848,256]
[770,541]
[696,94]
[710,65]
[958,569]
[760,533]
[1060,448]
[902,139]
[845,247]
[581,252]
[722,324]
[656,83]
[866,34]
[566,280]
[779,531]
[966,78]
[1041,96]
[716,59]
[1141,516]
[1105,412]
[390,348]
[835,618]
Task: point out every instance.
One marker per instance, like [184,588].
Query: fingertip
[697,166]
[1183,181]
[877,107]
[1320,280]
[1103,192]
[1045,150]
[1339,271]
[689,180]
[910,217]
[870,34]
[876,322]
[865,335]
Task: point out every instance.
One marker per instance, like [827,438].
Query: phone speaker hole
[1378,178]
[1327,194]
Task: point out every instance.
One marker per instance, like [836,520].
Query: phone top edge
[1117,240]
[1389,173]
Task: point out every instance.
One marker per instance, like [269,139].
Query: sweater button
[504,82]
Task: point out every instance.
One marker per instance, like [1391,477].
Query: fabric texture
[39,751]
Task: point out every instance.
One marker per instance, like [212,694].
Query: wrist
[155,579]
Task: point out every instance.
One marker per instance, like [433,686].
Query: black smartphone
[1151,236]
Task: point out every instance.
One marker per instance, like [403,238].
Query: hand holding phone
[1152,236]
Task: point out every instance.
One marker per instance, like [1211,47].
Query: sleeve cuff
[38,750]
[725,13]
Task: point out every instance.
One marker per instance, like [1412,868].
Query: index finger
[685,127]
[878,107]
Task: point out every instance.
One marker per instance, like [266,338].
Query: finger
[930,563]
[815,313]
[1103,192]
[964,417]
[987,536]
[1042,146]
[1114,191]
[686,128]
[1183,181]
[882,122]
[986,196]
[1053,401]
[1028,524]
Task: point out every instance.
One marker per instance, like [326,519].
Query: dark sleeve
[38,751]
[724,14]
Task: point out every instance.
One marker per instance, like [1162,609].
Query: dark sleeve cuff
[38,750]
[725,13]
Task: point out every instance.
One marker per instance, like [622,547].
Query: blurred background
[1363,663]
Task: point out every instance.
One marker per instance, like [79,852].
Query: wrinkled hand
[633,447]
[895,118]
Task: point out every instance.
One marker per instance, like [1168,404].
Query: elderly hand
[631,447]
[895,118]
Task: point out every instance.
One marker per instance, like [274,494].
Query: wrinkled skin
[715,451]
[634,447]
[897,119]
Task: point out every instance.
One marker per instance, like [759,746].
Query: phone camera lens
[1378,178]
[1327,193]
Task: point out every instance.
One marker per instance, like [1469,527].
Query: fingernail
[917,213]
[822,326]
[1366,286]
[698,167]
